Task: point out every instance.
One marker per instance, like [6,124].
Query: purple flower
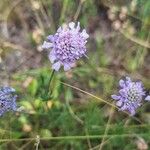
[7,100]
[67,45]
[130,95]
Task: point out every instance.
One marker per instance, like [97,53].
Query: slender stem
[37,142]
[49,82]
[78,10]
[88,140]
[63,12]
[79,137]
[72,113]
[107,128]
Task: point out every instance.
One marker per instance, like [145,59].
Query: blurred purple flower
[130,95]
[7,100]
[67,45]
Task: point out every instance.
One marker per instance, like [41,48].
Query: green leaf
[32,88]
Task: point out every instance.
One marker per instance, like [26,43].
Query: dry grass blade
[136,40]
[98,98]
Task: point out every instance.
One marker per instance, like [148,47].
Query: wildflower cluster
[66,46]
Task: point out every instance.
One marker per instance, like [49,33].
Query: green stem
[80,137]
[49,83]
[72,113]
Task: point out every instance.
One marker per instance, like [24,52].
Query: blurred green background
[119,45]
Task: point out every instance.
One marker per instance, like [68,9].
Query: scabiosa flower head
[67,45]
[130,95]
[7,100]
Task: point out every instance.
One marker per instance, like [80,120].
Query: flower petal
[59,29]
[56,66]
[71,25]
[78,26]
[122,92]
[132,111]
[67,67]
[147,98]
[116,97]
[124,107]
[122,83]
[46,45]
[128,78]
[119,103]
[50,38]
[52,56]
[84,34]
[128,81]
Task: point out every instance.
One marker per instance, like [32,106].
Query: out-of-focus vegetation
[119,45]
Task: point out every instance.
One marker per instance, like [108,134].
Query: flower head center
[133,94]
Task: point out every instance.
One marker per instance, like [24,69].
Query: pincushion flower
[130,95]
[7,100]
[67,45]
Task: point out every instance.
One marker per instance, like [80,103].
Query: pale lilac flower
[130,95]
[67,45]
[7,100]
